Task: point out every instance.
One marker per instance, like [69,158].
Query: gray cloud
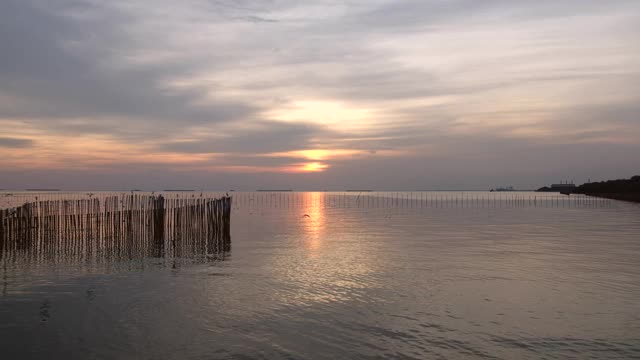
[423,14]
[60,67]
[261,137]
[8,142]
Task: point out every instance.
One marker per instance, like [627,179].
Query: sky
[317,95]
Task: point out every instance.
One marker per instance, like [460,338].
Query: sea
[347,275]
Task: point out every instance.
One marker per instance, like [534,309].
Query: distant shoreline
[621,189]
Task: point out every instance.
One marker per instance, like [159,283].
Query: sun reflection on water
[318,270]
[314,224]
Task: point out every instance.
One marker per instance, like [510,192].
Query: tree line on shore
[620,186]
[620,189]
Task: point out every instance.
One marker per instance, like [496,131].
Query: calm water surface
[349,282]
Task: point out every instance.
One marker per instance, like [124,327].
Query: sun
[314,167]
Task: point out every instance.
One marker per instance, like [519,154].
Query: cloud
[8,142]
[257,137]
[66,67]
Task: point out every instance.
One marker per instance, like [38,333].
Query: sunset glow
[327,113]
[319,154]
[314,167]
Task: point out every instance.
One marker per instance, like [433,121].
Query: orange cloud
[318,154]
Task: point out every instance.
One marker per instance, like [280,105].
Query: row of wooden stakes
[124,226]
